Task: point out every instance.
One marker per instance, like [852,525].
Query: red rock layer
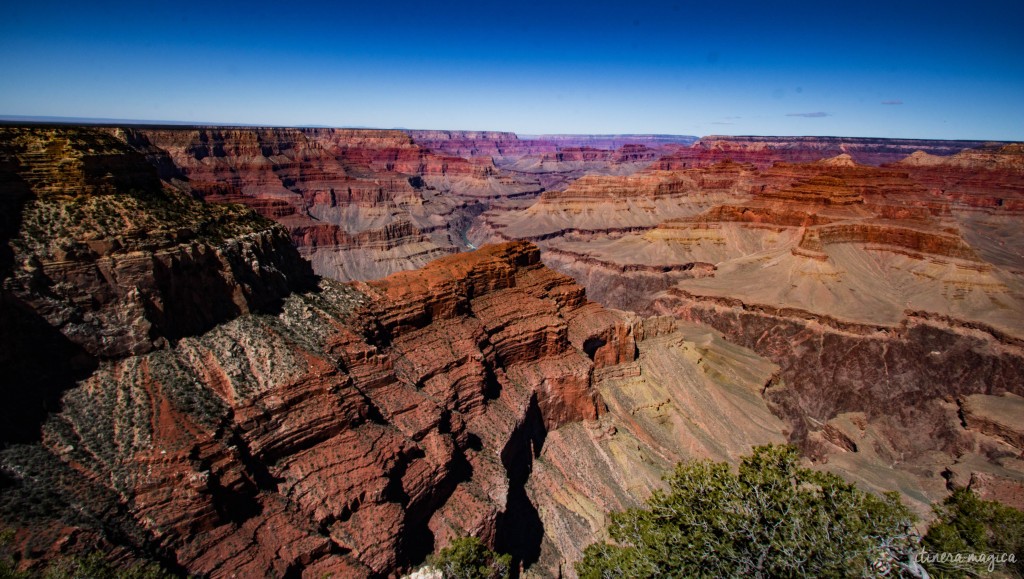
[345,434]
[125,261]
[990,178]
[338,191]
[764,151]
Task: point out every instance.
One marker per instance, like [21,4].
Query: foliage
[469,558]
[95,565]
[8,569]
[771,519]
[967,525]
[90,566]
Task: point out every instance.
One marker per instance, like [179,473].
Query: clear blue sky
[857,68]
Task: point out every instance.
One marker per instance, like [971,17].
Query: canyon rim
[283,352]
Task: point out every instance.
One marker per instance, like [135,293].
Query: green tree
[771,519]
[95,565]
[89,566]
[469,558]
[965,525]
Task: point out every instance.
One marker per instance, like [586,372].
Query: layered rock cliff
[103,261]
[180,388]
[359,204]
[764,151]
[363,425]
[885,295]
[316,427]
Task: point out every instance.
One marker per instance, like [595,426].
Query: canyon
[304,352]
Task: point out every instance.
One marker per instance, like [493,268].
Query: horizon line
[56,120]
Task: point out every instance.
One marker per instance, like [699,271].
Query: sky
[936,69]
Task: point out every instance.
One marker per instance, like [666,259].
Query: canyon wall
[359,204]
[764,151]
[181,387]
[888,296]
[305,426]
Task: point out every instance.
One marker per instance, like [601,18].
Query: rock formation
[359,204]
[181,387]
[885,294]
[764,151]
[307,426]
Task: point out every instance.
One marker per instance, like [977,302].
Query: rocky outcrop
[314,428]
[347,433]
[885,236]
[990,178]
[115,261]
[359,204]
[997,416]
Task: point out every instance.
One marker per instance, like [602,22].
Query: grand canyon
[309,352]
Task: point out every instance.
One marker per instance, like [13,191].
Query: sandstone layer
[359,204]
[886,294]
[764,151]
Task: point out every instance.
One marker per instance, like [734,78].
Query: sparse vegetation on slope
[773,518]
[469,558]
[983,533]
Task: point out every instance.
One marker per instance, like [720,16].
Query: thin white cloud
[816,115]
[892,102]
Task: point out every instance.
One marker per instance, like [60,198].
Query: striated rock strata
[884,294]
[359,204]
[364,424]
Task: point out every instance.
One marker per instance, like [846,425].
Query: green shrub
[94,565]
[8,568]
[983,533]
[771,519]
[90,566]
[469,558]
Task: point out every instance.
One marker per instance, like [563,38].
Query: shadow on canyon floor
[520,529]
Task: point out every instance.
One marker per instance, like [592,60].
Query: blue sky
[860,68]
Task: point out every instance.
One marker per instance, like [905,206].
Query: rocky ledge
[347,433]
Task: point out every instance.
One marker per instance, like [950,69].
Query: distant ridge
[56,120]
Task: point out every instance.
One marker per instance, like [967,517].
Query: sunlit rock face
[361,204]
[885,294]
[181,387]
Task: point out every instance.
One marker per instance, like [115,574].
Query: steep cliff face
[884,294]
[316,427]
[363,424]
[115,261]
[105,262]
[344,423]
[359,204]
